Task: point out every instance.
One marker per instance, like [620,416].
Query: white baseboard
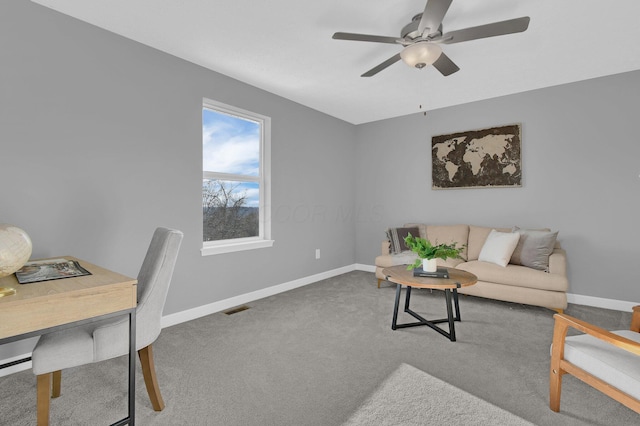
[366,268]
[598,302]
[201,311]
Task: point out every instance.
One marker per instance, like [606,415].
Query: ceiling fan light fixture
[421,54]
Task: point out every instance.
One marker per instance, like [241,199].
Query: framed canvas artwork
[485,158]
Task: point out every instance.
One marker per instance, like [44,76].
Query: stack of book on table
[442,272]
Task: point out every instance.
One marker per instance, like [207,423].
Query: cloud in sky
[230,144]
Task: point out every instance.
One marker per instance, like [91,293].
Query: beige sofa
[512,283]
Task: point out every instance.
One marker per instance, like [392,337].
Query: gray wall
[101,142]
[581,161]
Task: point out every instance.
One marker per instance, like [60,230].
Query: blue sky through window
[231,144]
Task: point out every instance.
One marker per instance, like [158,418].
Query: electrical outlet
[317,254]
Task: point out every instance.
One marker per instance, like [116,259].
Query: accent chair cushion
[607,362]
[396,238]
[499,247]
[534,248]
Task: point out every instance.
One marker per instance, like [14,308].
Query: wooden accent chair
[608,361]
[108,339]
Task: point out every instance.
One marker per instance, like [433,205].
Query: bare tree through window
[225,211]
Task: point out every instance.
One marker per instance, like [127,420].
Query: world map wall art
[485,158]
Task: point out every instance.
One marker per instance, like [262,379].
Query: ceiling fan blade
[433,14]
[445,65]
[375,70]
[510,26]
[365,37]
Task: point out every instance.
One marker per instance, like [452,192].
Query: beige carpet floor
[411,397]
[313,355]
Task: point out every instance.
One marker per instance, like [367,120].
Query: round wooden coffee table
[457,279]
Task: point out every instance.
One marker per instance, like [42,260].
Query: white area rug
[412,397]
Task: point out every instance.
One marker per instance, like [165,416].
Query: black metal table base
[451,335]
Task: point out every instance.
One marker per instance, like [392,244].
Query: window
[235,179]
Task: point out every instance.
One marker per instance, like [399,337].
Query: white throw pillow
[499,247]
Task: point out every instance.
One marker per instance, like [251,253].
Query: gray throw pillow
[396,238]
[534,248]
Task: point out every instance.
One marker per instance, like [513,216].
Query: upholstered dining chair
[607,360]
[108,339]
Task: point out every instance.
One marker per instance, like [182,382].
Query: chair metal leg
[43,399]
[57,383]
[150,378]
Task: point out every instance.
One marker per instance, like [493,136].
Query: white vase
[429,265]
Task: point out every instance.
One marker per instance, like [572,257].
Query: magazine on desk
[50,269]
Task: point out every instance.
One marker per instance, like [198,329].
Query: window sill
[233,247]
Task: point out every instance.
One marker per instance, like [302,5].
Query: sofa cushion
[449,263]
[498,247]
[534,248]
[396,238]
[449,234]
[477,237]
[515,275]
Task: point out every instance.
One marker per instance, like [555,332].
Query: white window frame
[263,240]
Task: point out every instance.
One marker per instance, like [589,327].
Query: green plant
[425,250]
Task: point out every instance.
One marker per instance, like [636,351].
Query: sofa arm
[386,247]
[558,262]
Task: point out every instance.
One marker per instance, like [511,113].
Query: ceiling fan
[423,35]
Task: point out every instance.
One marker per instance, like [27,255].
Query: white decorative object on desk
[15,249]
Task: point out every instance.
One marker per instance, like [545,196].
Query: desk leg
[131,418]
[132,368]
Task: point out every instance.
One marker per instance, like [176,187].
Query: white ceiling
[285,47]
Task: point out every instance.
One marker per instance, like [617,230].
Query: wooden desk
[42,307]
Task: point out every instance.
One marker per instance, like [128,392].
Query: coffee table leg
[457,305]
[395,307]
[452,330]
[407,298]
